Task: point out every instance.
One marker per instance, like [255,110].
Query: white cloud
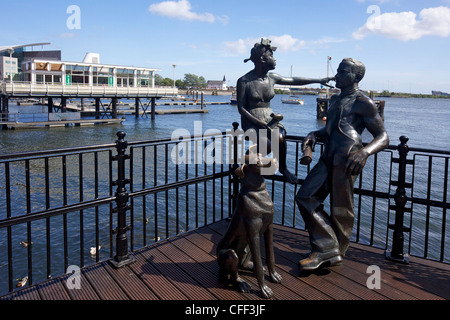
[287,43]
[182,10]
[284,43]
[405,26]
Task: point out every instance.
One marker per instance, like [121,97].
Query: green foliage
[190,81]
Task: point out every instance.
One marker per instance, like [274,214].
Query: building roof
[18,46]
[40,60]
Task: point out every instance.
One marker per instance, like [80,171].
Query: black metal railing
[82,205]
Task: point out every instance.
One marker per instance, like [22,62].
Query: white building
[89,73]
[217,84]
[8,67]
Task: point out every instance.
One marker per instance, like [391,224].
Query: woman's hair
[258,50]
[358,68]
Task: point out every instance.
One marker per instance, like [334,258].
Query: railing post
[123,257]
[397,254]
[235,178]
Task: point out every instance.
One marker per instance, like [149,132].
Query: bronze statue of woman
[255,90]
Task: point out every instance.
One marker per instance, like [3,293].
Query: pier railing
[29,89]
[78,206]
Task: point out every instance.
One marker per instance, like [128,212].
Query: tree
[192,80]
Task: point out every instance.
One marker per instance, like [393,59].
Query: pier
[57,99]
[145,97]
[61,123]
[156,224]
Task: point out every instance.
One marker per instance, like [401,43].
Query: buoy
[324,119]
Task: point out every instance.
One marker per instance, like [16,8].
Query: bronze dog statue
[252,218]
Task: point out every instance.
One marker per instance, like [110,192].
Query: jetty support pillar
[63,104]
[136,108]
[202,100]
[4,109]
[97,108]
[114,108]
[153,108]
[50,104]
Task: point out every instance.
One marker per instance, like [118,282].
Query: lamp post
[174,65]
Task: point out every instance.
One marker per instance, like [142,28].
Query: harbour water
[423,121]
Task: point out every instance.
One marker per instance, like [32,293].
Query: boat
[293,100]
[233,99]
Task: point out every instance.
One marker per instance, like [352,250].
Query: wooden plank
[153,278]
[205,266]
[415,279]
[53,290]
[358,288]
[29,293]
[185,267]
[175,272]
[103,283]
[84,292]
[131,284]
[360,257]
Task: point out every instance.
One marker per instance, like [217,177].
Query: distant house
[217,84]
[439,93]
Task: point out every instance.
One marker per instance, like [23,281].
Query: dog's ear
[240,171]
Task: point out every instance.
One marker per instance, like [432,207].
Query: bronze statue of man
[344,156]
[255,90]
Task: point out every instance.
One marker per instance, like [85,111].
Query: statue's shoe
[318,259]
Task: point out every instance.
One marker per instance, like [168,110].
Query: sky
[404,44]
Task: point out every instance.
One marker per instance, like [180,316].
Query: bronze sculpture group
[350,112]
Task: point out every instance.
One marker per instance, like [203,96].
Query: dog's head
[256,164]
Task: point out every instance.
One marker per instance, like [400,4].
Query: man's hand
[356,162]
[325,81]
[310,140]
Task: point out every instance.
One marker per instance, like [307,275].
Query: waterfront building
[22,52]
[8,67]
[89,72]
[217,84]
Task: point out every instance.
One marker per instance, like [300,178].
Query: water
[424,121]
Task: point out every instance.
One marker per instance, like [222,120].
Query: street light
[174,65]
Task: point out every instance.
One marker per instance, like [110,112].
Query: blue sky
[405,45]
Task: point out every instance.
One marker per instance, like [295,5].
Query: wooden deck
[185,268]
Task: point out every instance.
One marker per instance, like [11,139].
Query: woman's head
[262,51]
